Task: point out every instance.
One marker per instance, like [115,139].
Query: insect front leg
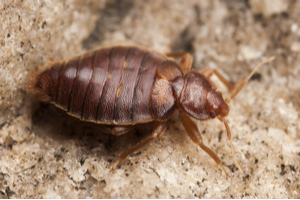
[208,72]
[192,130]
[186,60]
[158,130]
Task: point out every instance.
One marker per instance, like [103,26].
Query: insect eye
[212,114]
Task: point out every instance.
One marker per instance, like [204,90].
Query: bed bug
[122,86]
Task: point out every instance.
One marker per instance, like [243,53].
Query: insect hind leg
[158,130]
[117,130]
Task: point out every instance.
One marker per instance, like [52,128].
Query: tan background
[64,158]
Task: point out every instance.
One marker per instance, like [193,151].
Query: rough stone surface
[45,153]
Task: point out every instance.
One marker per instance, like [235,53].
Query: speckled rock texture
[45,153]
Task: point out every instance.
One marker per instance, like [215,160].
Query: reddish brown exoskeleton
[122,86]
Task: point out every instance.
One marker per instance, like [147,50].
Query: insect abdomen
[109,85]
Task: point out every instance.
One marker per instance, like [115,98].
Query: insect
[122,86]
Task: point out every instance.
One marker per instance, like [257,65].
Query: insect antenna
[240,87]
[222,119]
[245,81]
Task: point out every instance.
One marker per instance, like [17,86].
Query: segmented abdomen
[109,85]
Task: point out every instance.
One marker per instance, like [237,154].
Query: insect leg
[117,130]
[158,130]
[208,72]
[186,60]
[192,130]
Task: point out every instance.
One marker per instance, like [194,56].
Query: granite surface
[44,153]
